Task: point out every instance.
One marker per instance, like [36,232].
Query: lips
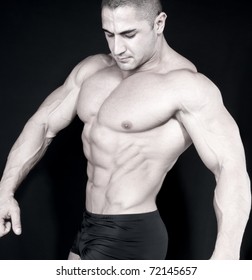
[123,59]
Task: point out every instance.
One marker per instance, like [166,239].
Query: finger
[5,227]
[16,222]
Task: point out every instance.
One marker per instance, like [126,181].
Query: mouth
[123,59]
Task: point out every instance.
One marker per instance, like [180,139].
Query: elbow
[247,199]
[237,181]
[42,125]
[49,135]
[248,179]
[231,173]
[249,192]
[38,129]
[234,169]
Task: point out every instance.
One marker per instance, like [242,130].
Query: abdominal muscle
[125,171]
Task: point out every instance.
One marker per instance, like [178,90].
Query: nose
[119,46]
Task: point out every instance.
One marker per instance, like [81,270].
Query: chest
[138,103]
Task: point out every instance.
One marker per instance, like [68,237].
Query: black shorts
[121,237]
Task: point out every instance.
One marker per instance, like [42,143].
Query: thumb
[16,221]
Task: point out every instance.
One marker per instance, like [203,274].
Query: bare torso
[131,137]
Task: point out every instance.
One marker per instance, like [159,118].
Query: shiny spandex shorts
[121,237]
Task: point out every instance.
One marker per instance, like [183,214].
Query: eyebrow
[121,33]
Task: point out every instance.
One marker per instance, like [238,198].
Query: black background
[41,41]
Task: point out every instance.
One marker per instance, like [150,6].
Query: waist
[122,217]
[121,199]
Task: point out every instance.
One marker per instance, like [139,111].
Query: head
[134,30]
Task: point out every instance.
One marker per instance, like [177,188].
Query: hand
[9,215]
[225,255]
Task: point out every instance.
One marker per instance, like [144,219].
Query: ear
[160,22]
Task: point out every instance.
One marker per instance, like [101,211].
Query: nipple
[127,125]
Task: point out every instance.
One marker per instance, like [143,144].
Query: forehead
[121,18]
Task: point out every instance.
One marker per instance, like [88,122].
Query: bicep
[214,132]
[59,108]
[57,111]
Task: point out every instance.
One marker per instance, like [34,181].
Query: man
[142,105]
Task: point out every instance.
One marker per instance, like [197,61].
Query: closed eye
[130,36]
[110,35]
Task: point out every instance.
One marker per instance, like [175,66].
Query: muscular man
[142,105]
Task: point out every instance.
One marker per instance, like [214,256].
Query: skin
[142,108]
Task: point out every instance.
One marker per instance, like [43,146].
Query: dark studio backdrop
[41,42]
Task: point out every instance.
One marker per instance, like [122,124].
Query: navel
[127,125]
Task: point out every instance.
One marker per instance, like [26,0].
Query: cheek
[146,42]
[144,47]
[109,42]
[137,47]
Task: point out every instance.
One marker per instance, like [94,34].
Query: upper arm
[212,129]
[59,108]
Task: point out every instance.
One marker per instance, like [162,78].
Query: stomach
[126,170]
[129,188]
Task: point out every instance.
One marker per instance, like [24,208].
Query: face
[131,39]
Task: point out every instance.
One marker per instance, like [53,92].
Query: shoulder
[89,66]
[193,90]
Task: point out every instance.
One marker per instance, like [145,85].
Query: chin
[127,67]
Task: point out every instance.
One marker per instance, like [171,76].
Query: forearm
[26,152]
[232,203]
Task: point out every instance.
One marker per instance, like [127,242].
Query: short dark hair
[149,8]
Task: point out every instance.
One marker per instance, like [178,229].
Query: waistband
[121,217]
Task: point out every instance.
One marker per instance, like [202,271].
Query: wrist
[225,253]
[224,256]
[4,191]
